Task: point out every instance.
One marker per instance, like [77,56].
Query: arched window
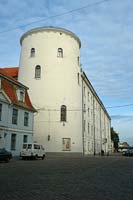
[38,71]
[63,113]
[32,52]
[60,52]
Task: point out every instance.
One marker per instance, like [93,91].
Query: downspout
[94,126]
[100,130]
[104,133]
[83,117]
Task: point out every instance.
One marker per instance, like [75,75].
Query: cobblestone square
[61,178]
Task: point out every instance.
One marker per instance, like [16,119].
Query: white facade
[14,130]
[57,51]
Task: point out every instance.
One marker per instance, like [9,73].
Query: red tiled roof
[10,87]
[3,72]
[12,72]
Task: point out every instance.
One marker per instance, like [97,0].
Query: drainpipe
[100,130]
[94,126]
[83,117]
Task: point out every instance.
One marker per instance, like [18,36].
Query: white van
[32,150]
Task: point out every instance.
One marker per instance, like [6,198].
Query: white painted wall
[58,86]
[7,128]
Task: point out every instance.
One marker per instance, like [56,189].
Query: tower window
[78,78]
[38,72]
[60,53]
[63,113]
[32,52]
[78,60]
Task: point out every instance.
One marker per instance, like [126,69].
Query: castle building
[70,116]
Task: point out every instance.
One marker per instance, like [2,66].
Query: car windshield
[36,146]
[29,146]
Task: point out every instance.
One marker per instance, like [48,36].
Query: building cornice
[5,128]
[51,28]
[85,78]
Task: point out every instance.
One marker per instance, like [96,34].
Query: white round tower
[50,67]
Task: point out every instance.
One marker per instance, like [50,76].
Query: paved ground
[75,178]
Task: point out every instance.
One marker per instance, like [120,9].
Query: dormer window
[32,52]
[60,53]
[21,96]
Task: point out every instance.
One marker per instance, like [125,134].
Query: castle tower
[50,67]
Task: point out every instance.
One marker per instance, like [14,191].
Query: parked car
[32,150]
[129,152]
[5,155]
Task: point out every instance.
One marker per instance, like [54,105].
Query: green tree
[115,138]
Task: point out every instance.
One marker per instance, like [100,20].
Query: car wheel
[43,157]
[7,159]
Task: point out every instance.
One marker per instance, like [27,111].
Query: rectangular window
[84,90]
[88,96]
[88,112]
[84,108]
[84,125]
[78,78]
[88,146]
[14,116]
[91,100]
[26,118]
[78,60]
[0,112]
[88,128]
[92,130]
[25,138]
[13,141]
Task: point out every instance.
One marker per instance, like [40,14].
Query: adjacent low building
[16,112]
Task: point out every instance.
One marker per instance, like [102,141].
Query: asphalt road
[61,178]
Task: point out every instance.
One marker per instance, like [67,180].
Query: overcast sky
[106,33]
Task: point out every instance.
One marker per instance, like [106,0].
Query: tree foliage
[114,138]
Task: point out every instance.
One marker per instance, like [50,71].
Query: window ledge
[37,78]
